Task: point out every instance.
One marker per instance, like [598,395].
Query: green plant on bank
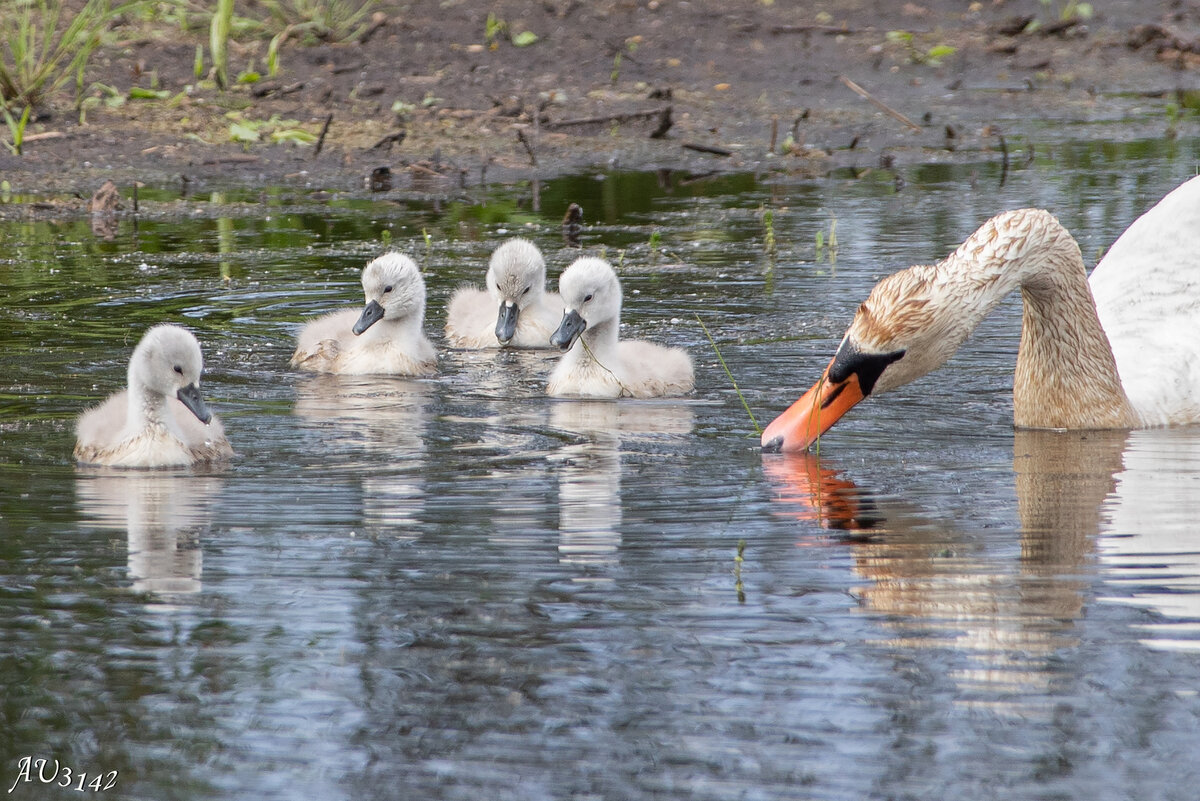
[218,41]
[313,21]
[41,49]
[1070,10]
[103,94]
[630,45]
[932,57]
[16,128]
[495,27]
[321,20]
[278,130]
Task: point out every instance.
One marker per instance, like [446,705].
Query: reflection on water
[938,587]
[587,599]
[164,515]
[807,491]
[380,415]
[1130,497]
[1150,548]
[589,472]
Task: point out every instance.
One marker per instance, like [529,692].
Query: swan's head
[516,277]
[168,362]
[591,294]
[908,326]
[394,290]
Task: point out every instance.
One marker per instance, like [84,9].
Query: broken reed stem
[321,138]
[879,104]
[725,367]
[524,140]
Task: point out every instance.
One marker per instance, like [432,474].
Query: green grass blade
[725,367]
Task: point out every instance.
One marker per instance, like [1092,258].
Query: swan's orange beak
[812,415]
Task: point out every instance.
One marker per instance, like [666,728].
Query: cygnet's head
[516,277]
[591,294]
[394,290]
[168,362]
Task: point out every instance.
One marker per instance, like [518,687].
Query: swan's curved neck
[1066,376]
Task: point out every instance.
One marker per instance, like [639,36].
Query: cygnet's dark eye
[526,292]
[586,299]
[387,289]
[179,369]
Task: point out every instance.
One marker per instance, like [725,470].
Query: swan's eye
[387,289]
[588,298]
[526,292]
[179,369]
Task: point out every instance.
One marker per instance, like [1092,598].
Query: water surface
[457,588]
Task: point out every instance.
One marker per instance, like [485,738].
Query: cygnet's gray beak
[189,396]
[372,314]
[506,322]
[569,329]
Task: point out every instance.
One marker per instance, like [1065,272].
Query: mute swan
[386,338]
[160,419]
[516,286]
[1123,354]
[596,364]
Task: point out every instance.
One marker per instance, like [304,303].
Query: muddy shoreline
[426,104]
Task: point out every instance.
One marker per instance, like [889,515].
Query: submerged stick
[865,95]
[725,367]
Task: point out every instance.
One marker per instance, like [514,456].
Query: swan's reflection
[1149,547]
[163,514]
[589,474]
[935,586]
[383,416]
[1131,497]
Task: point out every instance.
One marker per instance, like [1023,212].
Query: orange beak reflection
[811,416]
[815,494]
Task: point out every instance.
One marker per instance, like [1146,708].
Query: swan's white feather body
[1147,292]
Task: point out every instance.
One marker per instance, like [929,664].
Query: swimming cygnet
[160,419]
[596,364]
[515,311]
[386,338]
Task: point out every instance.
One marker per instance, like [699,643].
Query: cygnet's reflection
[589,472]
[387,418]
[505,373]
[163,513]
[497,381]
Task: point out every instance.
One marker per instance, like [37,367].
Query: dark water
[456,588]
